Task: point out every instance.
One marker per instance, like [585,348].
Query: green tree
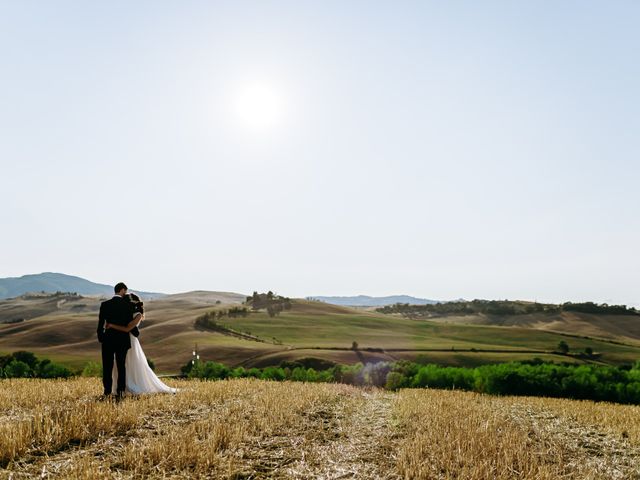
[27,357]
[17,369]
[563,347]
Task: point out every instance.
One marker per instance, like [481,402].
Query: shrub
[47,369]
[17,369]
[535,377]
[92,369]
[25,364]
[395,381]
[273,373]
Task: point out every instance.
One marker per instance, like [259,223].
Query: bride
[140,377]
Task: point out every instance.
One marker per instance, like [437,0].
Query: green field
[405,338]
[309,329]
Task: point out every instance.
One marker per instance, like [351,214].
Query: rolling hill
[62,327]
[49,282]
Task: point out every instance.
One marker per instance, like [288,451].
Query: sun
[258,107]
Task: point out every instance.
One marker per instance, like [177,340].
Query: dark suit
[114,343]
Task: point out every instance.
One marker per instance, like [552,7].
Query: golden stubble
[248,428]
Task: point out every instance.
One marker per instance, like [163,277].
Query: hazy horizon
[140,288]
[457,150]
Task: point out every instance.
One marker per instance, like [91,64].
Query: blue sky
[440,149]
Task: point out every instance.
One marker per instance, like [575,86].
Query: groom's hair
[119,287]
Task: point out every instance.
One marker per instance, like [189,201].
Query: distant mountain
[57,282]
[367,301]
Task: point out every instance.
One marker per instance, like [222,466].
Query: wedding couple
[118,333]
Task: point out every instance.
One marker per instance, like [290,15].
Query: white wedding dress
[140,378]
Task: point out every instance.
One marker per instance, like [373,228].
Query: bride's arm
[132,324]
[116,327]
[135,322]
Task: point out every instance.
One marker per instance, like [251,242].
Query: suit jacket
[119,312]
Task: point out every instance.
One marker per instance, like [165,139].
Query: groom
[118,311]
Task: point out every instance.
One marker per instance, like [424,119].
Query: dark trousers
[120,353]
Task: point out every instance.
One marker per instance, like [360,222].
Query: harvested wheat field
[258,429]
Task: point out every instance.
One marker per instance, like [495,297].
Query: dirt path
[361,442]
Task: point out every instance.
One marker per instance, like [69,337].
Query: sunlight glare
[258,107]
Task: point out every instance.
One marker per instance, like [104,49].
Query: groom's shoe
[119,397]
[105,397]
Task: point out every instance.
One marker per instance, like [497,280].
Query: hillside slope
[63,329]
[612,327]
[611,322]
[50,282]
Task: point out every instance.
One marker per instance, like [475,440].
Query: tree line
[532,378]
[24,364]
[210,319]
[503,307]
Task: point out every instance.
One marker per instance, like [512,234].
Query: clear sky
[440,149]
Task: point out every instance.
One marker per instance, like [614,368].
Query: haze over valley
[61,326]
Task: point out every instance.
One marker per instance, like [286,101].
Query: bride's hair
[138,304]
